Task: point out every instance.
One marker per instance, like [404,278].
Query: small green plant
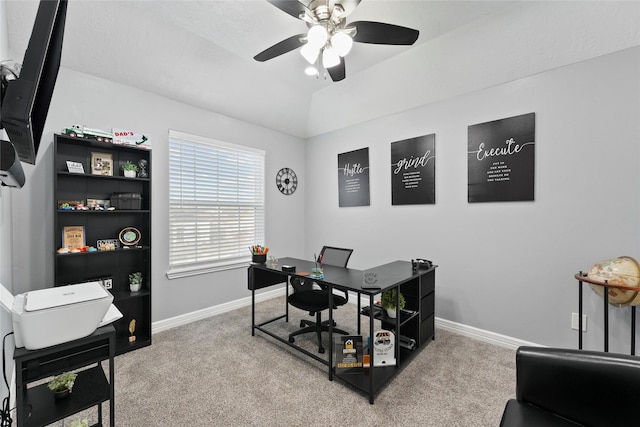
[389,299]
[128,166]
[135,278]
[62,382]
[80,423]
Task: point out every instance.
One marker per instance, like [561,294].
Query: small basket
[259,259]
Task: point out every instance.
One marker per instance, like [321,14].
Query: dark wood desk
[417,322]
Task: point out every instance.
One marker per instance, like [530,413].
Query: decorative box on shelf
[126,201]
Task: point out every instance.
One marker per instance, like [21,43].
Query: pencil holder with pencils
[259,254]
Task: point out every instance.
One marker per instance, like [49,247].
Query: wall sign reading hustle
[413,171]
[501,160]
[353,178]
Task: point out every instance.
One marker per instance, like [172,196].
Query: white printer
[53,316]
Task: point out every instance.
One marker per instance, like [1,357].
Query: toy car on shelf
[78,131]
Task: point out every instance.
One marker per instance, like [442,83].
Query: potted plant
[130,169]
[62,384]
[135,281]
[388,302]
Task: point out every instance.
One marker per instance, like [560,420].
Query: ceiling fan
[329,37]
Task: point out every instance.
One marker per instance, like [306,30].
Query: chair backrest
[300,284]
[330,255]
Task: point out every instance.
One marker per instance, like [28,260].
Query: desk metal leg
[330,333]
[253,312]
[286,301]
[371,355]
[358,313]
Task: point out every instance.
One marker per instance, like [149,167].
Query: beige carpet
[214,373]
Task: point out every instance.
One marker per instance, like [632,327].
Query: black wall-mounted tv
[26,99]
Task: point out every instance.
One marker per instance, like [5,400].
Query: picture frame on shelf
[101,164]
[98,204]
[73,236]
[108,244]
[75,167]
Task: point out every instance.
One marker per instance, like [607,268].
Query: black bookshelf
[72,268]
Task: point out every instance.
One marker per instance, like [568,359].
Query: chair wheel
[321,350]
[291,339]
[302,324]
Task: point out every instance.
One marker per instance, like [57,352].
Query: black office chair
[307,297]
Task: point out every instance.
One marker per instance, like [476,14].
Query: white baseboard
[447,325]
[482,335]
[183,319]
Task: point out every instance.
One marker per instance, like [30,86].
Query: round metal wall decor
[286,181]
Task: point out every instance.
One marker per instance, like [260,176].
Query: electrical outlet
[574,322]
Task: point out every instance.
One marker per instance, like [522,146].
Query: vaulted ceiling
[201,52]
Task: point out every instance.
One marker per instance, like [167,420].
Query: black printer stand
[36,405]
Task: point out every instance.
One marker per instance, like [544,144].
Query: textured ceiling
[201,52]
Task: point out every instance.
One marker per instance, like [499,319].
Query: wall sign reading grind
[413,171]
[353,178]
[501,160]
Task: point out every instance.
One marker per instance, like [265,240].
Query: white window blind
[216,204]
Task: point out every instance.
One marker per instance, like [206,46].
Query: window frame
[178,270]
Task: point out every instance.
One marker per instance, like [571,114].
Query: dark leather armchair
[306,296]
[561,387]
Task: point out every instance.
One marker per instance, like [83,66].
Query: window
[216,204]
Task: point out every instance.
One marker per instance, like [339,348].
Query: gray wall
[82,99]
[504,267]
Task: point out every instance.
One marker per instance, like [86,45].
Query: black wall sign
[501,159]
[353,178]
[413,171]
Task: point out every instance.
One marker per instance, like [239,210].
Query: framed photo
[98,204]
[102,164]
[75,167]
[73,237]
[108,244]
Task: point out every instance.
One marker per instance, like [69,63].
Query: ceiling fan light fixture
[317,36]
[330,57]
[310,53]
[311,71]
[342,43]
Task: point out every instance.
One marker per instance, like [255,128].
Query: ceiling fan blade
[286,45]
[337,72]
[292,7]
[381,33]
